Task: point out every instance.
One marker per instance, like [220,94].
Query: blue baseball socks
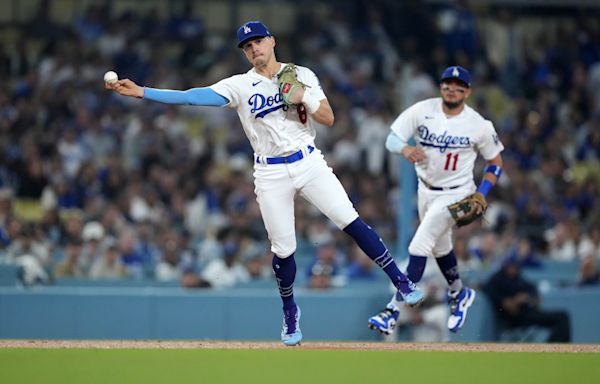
[285,273]
[449,268]
[369,241]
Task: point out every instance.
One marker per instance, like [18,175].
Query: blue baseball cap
[457,72]
[251,29]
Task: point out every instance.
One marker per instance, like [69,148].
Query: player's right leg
[275,196]
[323,189]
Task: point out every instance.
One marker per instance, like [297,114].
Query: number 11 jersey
[450,144]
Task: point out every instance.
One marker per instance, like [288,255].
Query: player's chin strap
[486,185]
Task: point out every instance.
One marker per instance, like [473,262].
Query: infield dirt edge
[322,345]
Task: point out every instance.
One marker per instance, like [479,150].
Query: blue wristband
[485,187]
[494,170]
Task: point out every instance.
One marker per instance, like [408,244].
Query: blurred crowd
[94,185]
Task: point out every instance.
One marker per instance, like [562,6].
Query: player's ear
[274,42]
[467,93]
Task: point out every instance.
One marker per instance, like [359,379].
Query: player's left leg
[434,238]
[460,297]
[385,321]
[323,189]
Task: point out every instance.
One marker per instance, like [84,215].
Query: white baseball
[110,77]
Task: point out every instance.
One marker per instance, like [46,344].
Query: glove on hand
[288,83]
[468,210]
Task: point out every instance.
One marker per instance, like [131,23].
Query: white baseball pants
[434,234]
[276,186]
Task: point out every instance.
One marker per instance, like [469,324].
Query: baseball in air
[110,77]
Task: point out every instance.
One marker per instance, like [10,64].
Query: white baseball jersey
[450,143]
[273,128]
[276,130]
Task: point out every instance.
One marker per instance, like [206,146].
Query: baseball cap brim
[248,38]
[457,79]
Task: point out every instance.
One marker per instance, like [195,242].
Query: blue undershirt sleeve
[194,96]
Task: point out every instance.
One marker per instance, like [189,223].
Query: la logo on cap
[247,29]
[455,73]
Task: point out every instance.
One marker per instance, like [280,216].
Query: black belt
[284,159]
[431,187]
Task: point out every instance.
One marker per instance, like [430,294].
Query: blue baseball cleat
[385,321]
[458,308]
[409,292]
[290,332]
[414,298]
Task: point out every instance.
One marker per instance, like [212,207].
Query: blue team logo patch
[443,141]
[265,105]
[496,139]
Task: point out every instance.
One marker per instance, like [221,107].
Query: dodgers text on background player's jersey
[450,144]
[273,128]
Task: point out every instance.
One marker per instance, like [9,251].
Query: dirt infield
[159,344]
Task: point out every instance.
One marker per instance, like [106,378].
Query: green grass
[285,366]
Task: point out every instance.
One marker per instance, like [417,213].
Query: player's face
[454,92]
[259,51]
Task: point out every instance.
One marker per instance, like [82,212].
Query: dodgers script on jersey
[450,144]
[273,128]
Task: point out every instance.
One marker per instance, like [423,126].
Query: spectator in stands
[589,275]
[191,279]
[258,266]
[523,254]
[6,213]
[28,242]
[516,303]
[28,252]
[483,247]
[561,242]
[73,223]
[226,271]
[360,266]
[70,265]
[256,257]
[468,261]
[130,257]
[324,272]
[93,244]
[51,226]
[146,247]
[109,265]
[169,267]
[33,180]
[590,244]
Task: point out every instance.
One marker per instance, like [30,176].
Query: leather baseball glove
[469,209]
[288,82]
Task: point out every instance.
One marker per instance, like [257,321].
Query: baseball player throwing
[278,105]
[448,135]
